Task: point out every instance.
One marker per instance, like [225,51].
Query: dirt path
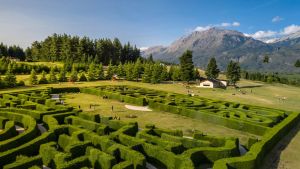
[285,155]
[138,108]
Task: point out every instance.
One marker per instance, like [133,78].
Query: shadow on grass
[271,161]
[250,86]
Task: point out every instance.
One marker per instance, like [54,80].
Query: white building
[213,83]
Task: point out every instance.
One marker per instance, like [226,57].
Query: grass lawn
[160,119]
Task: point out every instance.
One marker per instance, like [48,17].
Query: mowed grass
[160,119]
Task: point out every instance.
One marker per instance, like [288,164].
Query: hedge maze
[38,132]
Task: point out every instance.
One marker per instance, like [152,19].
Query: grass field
[51,64]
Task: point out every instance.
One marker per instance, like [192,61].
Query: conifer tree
[212,71]
[52,76]
[91,73]
[156,73]
[120,70]
[82,77]
[62,75]
[297,63]
[146,78]
[100,72]
[109,73]
[43,79]
[197,74]
[33,79]
[10,78]
[137,69]
[164,73]
[187,66]
[176,74]
[129,71]
[74,75]
[233,72]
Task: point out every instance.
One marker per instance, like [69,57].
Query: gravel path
[138,108]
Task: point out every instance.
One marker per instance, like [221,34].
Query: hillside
[226,45]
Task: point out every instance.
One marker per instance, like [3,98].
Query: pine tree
[109,73]
[43,79]
[52,76]
[164,73]
[74,75]
[129,71]
[82,77]
[33,79]
[186,66]
[10,78]
[233,72]
[150,59]
[156,73]
[100,72]
[266,59]
[62,75]
[91,73]
[120,71]
[146,78]
[137,69]
[197,74]
[297,63]
[176,74]
[212,71]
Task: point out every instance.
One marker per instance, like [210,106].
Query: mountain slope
[226,45]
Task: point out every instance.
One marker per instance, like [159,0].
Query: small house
[213,83]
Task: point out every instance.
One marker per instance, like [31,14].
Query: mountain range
[226,45]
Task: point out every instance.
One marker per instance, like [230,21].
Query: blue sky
[144,22]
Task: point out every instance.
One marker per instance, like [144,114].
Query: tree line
[74,49]
[271,78]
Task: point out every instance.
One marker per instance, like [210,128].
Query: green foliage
[74,75]
[43,79]
[52,76]
[156,73]
[92,74]
[100,72]
[82,77]
[233,72]
[212,71]
[10,78]
[62,75]
[33,79]
[146,78]
[187,66]
[297,63]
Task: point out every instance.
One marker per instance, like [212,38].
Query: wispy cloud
[277,19]
[223,24]
[263,34]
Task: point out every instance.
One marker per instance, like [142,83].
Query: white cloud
[263,34]
[277,19]
[290,29]
[236,24]
[224,24]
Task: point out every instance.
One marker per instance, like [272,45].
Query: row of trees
[12,51]
[271,78]
[68,48]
